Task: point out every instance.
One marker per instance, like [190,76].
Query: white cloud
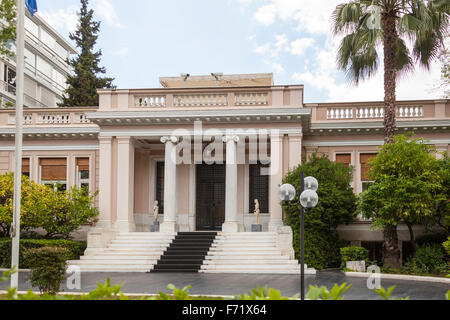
[263,49]
[62,20]
[266,15]
[311,16]
[298,47]
[106,11]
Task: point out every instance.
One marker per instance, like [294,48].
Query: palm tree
[366,25]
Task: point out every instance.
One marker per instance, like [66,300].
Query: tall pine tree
[83,85]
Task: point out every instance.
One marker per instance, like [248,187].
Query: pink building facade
[205,150]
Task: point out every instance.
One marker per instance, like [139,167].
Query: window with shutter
[365,167]
[82,167]
[54,172]
[345,159]
[26,167]
[258,188]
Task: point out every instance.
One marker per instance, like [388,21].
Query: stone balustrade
[52,117]
[200,100]
[55,118]
[149,101]
[248,99]
[354,113]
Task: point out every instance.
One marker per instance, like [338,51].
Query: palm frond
[404,61]
[345,17]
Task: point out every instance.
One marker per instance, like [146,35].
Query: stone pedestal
[154,227]
[256,227]
[358,266]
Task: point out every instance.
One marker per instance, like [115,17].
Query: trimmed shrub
[337,205]
[446,246]
[75,250]
[428,259]
[48,268]
[354,253]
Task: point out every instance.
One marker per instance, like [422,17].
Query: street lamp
[307,198]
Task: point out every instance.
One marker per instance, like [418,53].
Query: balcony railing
[203,99]
[29,101]
[53,117]
[354,113]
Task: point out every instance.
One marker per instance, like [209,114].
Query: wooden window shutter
[25,165]
[53,169]
[83,164]
[345,159]
[365,166]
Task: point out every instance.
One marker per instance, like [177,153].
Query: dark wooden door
[210,213]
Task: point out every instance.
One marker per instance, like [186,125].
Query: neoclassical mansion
[205,148]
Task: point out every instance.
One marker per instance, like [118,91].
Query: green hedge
[428,259]
[75,248]
[446,246]
[353,253]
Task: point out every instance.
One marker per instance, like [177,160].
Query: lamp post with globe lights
[308,199]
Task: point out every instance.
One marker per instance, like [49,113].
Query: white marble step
[243,244]
[250,262]
[146,234]
[119,256]
[246,257]
[102,268]
[137,250]
[148,242]
[137,245]
[272,250]
[114,262]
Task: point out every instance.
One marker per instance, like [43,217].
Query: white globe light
[309,199]
[286,192]
[311,183]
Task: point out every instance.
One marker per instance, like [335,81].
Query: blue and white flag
[32,6]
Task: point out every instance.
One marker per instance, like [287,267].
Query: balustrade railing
[372,112]
[56,118]
[200,100]
[246,99]
[150,101]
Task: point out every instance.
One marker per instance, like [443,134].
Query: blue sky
[142,40]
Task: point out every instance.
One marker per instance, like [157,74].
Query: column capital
[106,140]
[234,138]
[125,139]
[172,139]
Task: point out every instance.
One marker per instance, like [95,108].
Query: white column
[231,221]
[170,186]
[276,177]
[295,150]
[125,185]
[105,171]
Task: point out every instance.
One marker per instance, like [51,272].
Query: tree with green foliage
[367,24]
[407,189]
[58,213]
[337,205]
[8,29]
[83,85]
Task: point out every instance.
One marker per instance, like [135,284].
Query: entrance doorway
[210,204]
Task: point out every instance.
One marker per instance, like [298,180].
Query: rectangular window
[9,77]
[82,167]
[26,167]
[54,172]
[160,185]
[31,27]
[345,159]
[258,188]
[365,167]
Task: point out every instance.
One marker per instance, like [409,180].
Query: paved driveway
[230,284]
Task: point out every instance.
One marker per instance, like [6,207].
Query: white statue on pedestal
[257,211]
[155,210]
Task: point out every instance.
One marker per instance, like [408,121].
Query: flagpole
[15,230]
